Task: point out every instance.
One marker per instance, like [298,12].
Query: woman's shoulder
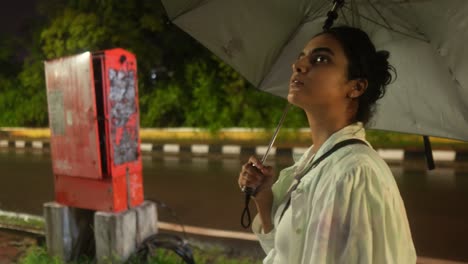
[361,162]
[360,155]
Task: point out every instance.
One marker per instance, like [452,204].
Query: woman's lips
[296,84]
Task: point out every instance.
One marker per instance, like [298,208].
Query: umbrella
[426,39]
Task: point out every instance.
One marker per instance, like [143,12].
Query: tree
[192,87]
[22,103]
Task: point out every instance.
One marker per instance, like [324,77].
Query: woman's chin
[292,98]
[293,93]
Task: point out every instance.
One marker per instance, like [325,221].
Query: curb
[195,230]
[390,155]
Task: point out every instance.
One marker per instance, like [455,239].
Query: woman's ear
[359,86]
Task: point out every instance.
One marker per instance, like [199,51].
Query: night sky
[14,14]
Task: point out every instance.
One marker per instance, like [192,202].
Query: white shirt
[346,210]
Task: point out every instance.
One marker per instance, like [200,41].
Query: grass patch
[22,222]
[301,138]
[38,255]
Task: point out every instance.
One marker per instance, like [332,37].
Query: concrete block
[146,147]
[37,144]
[20,144]
[69,231]
[261,150]
[444,155]
[200,149]
[118,234]
[115,235]
[147,220]
[230,149]
[391,154]
[171,148]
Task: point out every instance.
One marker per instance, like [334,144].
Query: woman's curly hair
[364,63]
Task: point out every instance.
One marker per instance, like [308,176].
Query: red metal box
[94,122]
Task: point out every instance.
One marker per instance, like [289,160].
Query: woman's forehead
[324,41]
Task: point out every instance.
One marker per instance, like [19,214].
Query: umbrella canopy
[426,40]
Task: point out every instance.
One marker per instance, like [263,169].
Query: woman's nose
[299,67]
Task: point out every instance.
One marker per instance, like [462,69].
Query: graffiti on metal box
[123,107]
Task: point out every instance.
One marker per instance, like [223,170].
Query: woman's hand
[261,178]
[256,176]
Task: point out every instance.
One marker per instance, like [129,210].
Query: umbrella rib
[380,14]
[352,14]
[355,9]
[412,28]
[344,16]
[317,14]
[201,3]
[395,30]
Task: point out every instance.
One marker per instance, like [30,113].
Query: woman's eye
[319,59]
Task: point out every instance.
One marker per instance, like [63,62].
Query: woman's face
[319,77]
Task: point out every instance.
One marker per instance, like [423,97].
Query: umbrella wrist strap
[246,213]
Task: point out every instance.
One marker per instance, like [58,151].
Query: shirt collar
[354,130]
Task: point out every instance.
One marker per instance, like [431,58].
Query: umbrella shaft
[336,5]
[273,138]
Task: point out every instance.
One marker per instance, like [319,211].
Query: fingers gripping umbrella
[426,39]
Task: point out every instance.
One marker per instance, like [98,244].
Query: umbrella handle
[249,192]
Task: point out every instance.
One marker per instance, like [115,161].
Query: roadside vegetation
[38,255]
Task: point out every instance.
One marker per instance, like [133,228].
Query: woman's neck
[323,125]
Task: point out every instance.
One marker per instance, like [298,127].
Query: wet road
[202,191]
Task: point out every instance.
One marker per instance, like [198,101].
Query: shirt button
[298,230]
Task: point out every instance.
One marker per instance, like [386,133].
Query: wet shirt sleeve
[280,188]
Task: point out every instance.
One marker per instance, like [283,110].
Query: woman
[347,207]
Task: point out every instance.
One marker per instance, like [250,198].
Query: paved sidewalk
[13,245]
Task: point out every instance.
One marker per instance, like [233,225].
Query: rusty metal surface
[72,115]
[122,112]
[121,91]
[108,195]
[94,119]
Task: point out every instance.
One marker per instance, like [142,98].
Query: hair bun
[383,55]
[383,69]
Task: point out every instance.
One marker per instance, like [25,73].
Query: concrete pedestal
[112,237]
[118,234]
[69,232]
